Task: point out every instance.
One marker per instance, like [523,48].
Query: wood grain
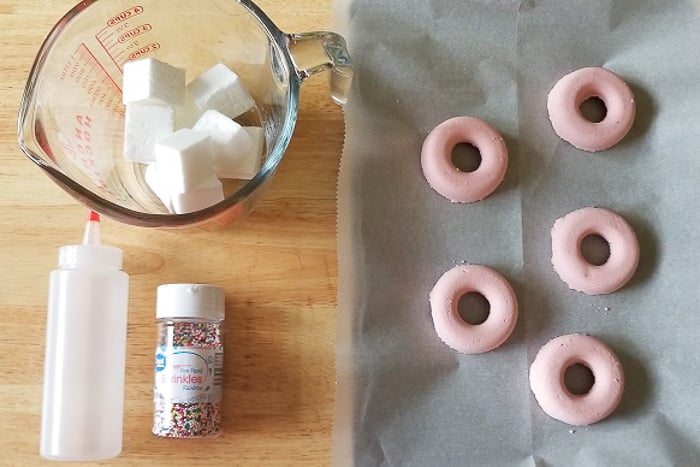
[278,268]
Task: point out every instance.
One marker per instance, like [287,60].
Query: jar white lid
[202,301]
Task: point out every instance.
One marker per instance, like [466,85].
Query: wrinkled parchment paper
[404,398]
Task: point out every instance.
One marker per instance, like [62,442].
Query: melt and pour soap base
[189,161]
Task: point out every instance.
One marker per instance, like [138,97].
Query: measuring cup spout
[314,52]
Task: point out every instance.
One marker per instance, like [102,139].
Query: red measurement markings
[82,66]
[115,36]
[86,72]
[137,31]
[82,137]
[124,15]
[79,66]
[77,146]
[144,50]
[97,63]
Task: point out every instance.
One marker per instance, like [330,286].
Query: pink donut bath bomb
[456,332]
[442,174]
[568,261]
[547,379]
[566,97]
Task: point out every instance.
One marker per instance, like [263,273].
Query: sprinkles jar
[189,361]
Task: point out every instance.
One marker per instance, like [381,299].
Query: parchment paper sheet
[404,398]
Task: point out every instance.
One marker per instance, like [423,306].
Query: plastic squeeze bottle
[84,362]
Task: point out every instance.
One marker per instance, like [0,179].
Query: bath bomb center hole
[579,379]
[593,109]
[466,157]
[473,308]
[595,249]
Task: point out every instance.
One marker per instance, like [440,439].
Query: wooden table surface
[278,268]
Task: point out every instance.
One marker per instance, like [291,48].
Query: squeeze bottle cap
[202,301]
[90,253]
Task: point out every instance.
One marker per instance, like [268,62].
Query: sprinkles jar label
[188,361]
[187,391]
[188,374]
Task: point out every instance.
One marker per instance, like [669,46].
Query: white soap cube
[184,160]
[204,195]
[220,89]
[156,185]
[186,114]
[144,124]
[247,166]
[230,142]
[150,80]
[185,117]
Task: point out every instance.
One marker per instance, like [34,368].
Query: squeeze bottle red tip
[92,230]
[85,353]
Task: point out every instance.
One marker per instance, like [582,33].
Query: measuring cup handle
[314,52]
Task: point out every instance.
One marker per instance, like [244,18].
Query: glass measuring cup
[71,119]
